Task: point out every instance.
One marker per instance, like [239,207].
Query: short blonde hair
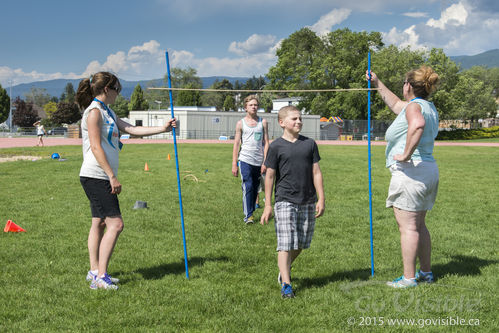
[249,98]
[283,112]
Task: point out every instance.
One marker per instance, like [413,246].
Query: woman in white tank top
[98,174]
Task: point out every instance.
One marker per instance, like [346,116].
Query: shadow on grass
[462,265]
[353,275]
[157,272]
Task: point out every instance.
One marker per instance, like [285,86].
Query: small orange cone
[146,168]
[168,157]
[12,227]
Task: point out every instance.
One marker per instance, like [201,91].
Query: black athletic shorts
[102,202]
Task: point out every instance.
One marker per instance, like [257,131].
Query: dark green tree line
[4,105]
[23,114]
[339,60]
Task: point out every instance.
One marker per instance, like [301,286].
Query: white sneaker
[105,283]
[91,276]
[402,282]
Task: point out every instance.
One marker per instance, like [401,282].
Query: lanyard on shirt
[415,98]
[110,135]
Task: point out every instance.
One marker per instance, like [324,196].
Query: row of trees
[224,101]
[339,60]
[188,78]
[61,110]
[306,61]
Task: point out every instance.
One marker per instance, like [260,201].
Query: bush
[469,134]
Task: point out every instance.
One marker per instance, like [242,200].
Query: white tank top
[252,143]
[109,140]
[40,130]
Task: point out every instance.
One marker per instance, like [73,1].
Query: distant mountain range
[56,87]
[488,59]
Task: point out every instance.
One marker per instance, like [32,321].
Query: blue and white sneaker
[402,282]
[425,278]
[287,291]
[93,284]
[91,277]
[105,283]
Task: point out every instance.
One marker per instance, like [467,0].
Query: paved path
[31,142]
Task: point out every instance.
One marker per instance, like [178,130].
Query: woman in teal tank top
[409,156]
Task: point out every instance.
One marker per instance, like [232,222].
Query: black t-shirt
[293,163]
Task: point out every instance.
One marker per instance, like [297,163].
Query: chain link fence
[346,130]
[354,130]
[31,131]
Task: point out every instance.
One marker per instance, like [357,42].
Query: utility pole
[159,104]
[10,107]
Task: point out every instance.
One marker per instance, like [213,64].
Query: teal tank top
[396,134]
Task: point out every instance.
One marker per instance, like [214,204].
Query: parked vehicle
[58,131]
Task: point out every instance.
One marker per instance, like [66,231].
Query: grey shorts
[294,225]
[413,186]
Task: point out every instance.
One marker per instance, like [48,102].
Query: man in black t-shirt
[293,161]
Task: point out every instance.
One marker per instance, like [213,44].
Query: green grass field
[233,273]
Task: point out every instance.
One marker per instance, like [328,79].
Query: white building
[279,103]
[207,123]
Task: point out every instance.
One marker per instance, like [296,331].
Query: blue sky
[51,39]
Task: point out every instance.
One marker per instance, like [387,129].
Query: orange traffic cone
[146,168]
[12,227]
[168,157]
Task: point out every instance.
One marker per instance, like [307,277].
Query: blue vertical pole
[178,173]
[369,159]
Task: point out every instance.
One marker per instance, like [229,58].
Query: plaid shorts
[294,225]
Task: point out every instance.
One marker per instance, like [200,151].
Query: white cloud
[257,64]
[455,15]
[19,76]
[416,14]
[181,58]
[326,22]
[147,61]
[114,63]
[407,38]
[138,61]
[255,56]
[491,24]
[461,29]
[144,50]
[253,45]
